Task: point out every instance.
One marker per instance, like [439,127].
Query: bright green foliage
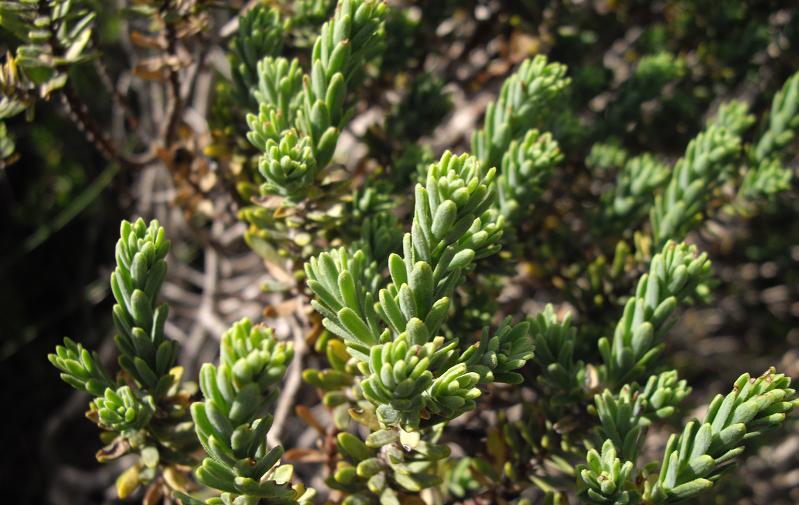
[606,156]
[260,34]
[661,395]
[526,169]
[625,416]
[605,479]
[233,420]
[451,226]
[145,352]
[620,417]
[656,70]
[122,410]
[521,105]
[399,363]
[388,463]
[767,176]
[144,409]
[496,358]
[783,121]
[298,144]
[296,128]
[340,284]
[673,277]
[279,86]
[290,163]
[401,381]
[509,139]
[636,184]
[253,356]
[734,116]
[709,157]
[407,367]
[279,83]
[696,458]
[446,239]
[423,359]
[554,353]
[80,368]
[410,377]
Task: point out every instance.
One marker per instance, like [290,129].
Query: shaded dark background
[53,284]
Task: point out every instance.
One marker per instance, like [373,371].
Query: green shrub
[582,196]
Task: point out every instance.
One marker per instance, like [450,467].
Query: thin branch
[108,82]
[292,384]
[79,113]
[174,105]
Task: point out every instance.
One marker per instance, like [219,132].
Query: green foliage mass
[602,160]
